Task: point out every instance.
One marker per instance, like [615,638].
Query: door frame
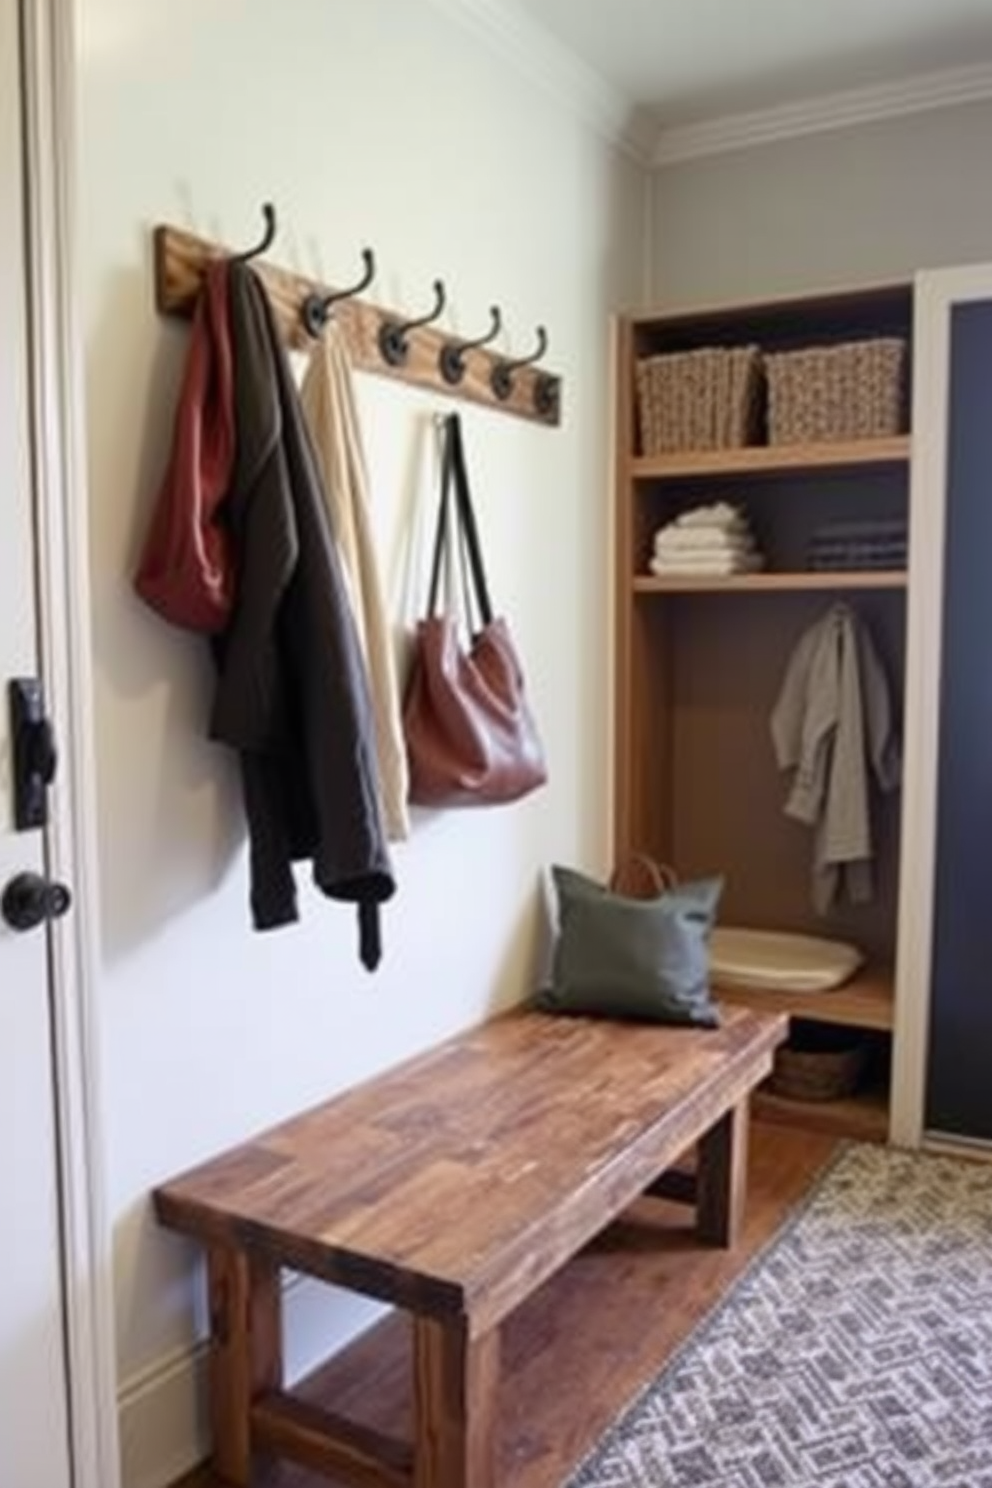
[56,373]
[937,292]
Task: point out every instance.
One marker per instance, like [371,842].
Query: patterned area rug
[856,1352]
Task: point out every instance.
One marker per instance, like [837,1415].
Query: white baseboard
[162,1409]
[161,1413]
[942,1144]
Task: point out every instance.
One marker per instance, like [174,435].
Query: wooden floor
[584,1345]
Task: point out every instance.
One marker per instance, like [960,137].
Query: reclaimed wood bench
[453,1186]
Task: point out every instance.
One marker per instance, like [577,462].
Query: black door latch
[35,755]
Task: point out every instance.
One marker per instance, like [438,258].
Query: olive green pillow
[618,957]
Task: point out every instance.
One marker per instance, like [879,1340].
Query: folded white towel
[698,564]
[701,540]
[718,514]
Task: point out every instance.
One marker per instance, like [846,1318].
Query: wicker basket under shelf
[818,1063]
[699,400]
[855,390]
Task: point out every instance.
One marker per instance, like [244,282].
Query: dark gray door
[959,1082]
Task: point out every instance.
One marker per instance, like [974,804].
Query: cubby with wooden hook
[380,340]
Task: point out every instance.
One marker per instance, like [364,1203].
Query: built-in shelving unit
[789,459]
[867,1001]
[861,1118]
[823,582]
[700,663]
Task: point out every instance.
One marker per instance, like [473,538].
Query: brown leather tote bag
[470,735]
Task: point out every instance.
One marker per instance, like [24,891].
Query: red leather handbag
[470,735]
[186,569]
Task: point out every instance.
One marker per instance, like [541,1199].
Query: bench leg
[456,1379]
[245,1352]
[721,1180]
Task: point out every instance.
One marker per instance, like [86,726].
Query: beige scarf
[331,411]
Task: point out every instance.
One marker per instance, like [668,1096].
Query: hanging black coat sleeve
[292,692]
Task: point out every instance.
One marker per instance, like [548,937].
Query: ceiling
[691,61]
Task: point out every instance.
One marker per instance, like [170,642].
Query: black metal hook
[502,374]
[268,236]
[316,309]
[452,356]
[393,334]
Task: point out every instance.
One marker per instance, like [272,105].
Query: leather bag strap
[441,530]
[454,476]
[466,517]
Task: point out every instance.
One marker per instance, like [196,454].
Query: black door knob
[29,900]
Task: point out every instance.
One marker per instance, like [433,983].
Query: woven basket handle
[640,877]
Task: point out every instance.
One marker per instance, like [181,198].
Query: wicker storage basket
[819,1062]
[699,400]
[851,391]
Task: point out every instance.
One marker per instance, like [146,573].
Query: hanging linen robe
[331,411]
[833,726]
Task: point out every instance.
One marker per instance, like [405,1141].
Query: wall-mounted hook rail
[181,261]
[315,311]
[452,359]
[394,335]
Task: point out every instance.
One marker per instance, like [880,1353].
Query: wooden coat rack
[180,263]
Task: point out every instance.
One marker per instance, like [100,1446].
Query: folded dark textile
[861,543]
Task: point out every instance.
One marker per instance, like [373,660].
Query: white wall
[867,203]
[373,122]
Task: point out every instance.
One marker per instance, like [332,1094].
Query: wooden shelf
[867,1001]
[862,1118]
[785,459]
[771,583]
[822,310]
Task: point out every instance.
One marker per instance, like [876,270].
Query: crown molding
[932,90]
[531,49]
[533,52]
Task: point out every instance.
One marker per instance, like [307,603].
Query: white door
[34,1451]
